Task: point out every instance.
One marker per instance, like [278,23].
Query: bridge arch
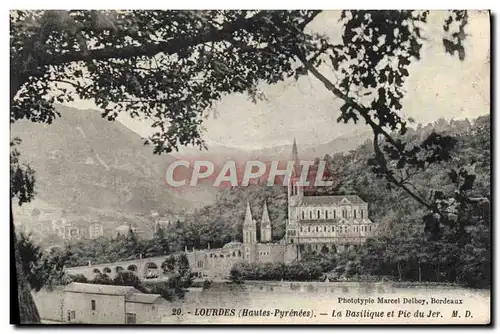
[132,267]
[151,270]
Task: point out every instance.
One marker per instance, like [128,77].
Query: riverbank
[322,287]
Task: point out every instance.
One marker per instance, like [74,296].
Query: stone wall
[50,304]
[110,309]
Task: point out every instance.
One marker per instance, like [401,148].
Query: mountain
[93,169]
[88,166]
[220,153]
[344,143]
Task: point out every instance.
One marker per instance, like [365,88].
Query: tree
[157,64]
[158,245]
[127,278]
[378,76]
[101,278]
[166,66]
[21,188]
[131,243]
[79,278]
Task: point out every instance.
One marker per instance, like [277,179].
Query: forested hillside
[403,249]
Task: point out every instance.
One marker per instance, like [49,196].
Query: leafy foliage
[42,269]
[415,244]
[22,176]
[165,66]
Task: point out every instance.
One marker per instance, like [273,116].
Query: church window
[239,253]
[333,228]
[310,214]
[324,229]
[222,255]
[319,214]
[303,214]
[234,254]
[370,228]
[317,228]
[309,229]
[361,213]
[326,214]
[354,213]
[334,214]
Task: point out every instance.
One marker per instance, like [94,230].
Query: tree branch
[377,129]
[363,111]
[148,50]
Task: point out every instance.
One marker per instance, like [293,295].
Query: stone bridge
[141,267]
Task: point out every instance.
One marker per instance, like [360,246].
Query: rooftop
[336,200]
[144,298]
[114,290]
[232,244]
[336,221]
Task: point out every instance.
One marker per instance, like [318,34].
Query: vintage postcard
[250,167]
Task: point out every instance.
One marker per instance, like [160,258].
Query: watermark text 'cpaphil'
[182,173]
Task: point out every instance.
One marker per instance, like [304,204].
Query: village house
[109,304]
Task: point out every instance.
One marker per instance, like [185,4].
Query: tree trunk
[28,313]
[419,272]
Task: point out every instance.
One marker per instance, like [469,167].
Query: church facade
[315,223]
[323,223]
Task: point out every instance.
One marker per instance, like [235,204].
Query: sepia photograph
[250,167]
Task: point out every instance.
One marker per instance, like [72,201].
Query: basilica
[315,224]
[321,223]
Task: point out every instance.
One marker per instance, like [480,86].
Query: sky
[439,86]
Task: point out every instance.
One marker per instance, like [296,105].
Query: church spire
[249,227]
[294,187]
[248,216]
[295,159]
[265,215]
[295,152]
[265,225]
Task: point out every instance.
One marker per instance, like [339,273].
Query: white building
[96,230]
[320,222]
[109,304]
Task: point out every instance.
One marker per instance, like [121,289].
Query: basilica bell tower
[295,195]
